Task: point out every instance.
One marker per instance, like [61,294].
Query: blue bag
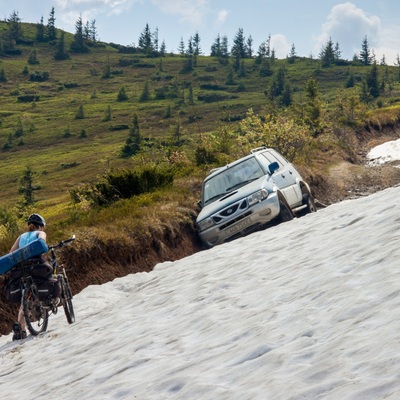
[33,249]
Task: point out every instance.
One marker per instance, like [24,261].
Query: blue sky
[307,24]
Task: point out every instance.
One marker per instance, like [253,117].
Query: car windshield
[230,179]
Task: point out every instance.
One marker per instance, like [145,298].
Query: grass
[61,163]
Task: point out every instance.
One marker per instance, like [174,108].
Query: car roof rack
[214,170]
[257,149]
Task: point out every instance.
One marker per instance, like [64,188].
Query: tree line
[242,47]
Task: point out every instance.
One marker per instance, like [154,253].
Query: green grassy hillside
[65,120]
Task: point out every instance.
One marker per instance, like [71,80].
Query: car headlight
[257,197]
[205,224]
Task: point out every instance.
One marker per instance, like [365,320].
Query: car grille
[231,214]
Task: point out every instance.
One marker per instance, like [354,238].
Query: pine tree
[122,96]
[20,129]
[287,95]
[93,31]
[86,31]
[249,47]
[398,66]
[80,113]
[145,42]
[40,30]
[216,47]
[373,81]
[190,97]
[239,45]
[196,44]
[14,27]
[32,59]
[51,26]
[78,45]
[107,114]
[292,55]
[3,77]
[337,52]
[181,48]
[145,95]
[27,188]
[163,49]
[60,53]
[190,50]
[327,54]
[313,107]
[365,53]
[224,46]
[134,140]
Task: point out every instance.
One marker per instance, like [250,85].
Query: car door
[284,177]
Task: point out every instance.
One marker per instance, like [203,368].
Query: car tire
[308,200]
[285,213]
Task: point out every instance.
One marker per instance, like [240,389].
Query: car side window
[282,160]
[270,158]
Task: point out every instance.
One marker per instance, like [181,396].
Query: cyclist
[36,224]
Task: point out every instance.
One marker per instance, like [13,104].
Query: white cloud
[281,45]
[222,15]
[389,44]
[93,7]
[189,11]
[348,25]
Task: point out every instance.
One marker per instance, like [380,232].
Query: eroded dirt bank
[98,263]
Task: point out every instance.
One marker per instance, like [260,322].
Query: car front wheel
[285,213]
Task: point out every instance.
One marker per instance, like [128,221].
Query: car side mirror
[200,204]
[273,167]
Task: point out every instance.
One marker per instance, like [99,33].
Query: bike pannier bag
[49,289]
[43,270]
[13,291]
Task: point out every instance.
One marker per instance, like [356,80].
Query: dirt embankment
[348,178]
[99,263]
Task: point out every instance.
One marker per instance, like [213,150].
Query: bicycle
[36,309]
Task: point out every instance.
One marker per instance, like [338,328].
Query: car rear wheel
[309,203]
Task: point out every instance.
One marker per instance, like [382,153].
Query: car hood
[232,197]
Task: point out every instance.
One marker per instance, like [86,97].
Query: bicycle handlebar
[63,243]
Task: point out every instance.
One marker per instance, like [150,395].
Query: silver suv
[249,193]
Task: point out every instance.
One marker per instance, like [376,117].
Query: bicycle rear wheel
[36,316]
[66,300]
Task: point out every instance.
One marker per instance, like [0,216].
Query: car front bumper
[248,221]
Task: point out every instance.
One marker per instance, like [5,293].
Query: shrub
[120,127]
[213,97]
[39,76]
[212,86]
[123,184]
[70,85]
[279,132]
[28,98]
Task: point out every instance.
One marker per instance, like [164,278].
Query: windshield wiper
[211,199]
[240,184]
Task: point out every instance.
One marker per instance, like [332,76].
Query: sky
[308,309]
[306,24]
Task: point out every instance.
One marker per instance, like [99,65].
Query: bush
[213,97]
[212,86]
[28,98]
[70,85]
[123,184]
[39,76]
[120,127]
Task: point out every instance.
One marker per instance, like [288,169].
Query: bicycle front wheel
[66,300]
[36,316]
